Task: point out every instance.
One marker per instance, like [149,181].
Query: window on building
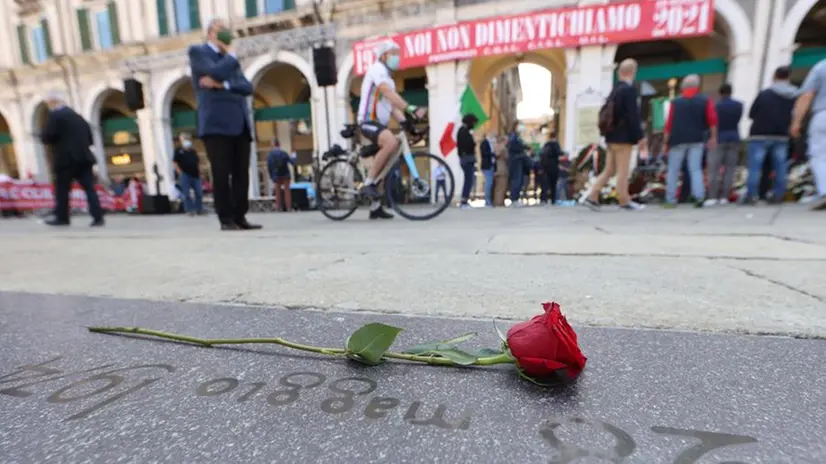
[104,29]
[39,46]
[182,16]
[273,6]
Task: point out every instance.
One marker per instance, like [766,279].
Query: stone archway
[117,137]
[43,154]
[8,155]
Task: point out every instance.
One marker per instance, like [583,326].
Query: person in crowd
[278,166]
[518,162]
[549,160]
[440,176]
[691,124]
[727,153]
[488,165]
[626,133]
[501,174]
[187,165]
[466,147]
[224,123]
[118,185]
[564,175]
[70,136]
[771,116]
[812,101]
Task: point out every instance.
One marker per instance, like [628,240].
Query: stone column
[255,182]
[99,151]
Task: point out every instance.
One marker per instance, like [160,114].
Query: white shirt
[373,106]
[440,173]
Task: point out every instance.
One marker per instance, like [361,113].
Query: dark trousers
[549,178]
[468,164]
[62,188]
[229,159]
[516,168]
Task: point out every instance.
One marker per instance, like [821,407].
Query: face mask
[224,36]
[186,144]
[393,62]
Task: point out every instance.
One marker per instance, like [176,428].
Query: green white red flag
[468,104]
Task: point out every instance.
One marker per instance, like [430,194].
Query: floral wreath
[544,349]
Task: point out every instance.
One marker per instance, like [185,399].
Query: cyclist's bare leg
[388,144]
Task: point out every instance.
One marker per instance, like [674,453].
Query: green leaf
[440,345]
[371,341]
[462,358]
[485,352]
[499,332]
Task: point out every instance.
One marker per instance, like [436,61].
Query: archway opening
[42,152]
[121,138]
[811,42]
[8,158]
[663,63]
[525,92]
[282,111]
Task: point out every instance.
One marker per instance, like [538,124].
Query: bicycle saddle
[333,152]
[368,151]
[349,131]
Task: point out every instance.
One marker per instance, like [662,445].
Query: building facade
[88,48]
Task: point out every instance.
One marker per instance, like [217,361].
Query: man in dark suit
[224,123]
[70,137]
[625,134]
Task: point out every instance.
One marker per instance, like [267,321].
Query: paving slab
[67,395]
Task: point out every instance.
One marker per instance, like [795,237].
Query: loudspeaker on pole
[133,89]
[324,62]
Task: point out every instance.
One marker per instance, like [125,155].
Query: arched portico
[38,114]
[9,164]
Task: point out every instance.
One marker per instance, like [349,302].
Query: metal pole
[327,118]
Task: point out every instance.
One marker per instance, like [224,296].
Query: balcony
[28,7]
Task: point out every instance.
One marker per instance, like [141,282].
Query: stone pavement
[648,397]
[728,269]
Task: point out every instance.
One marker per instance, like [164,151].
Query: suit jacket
[70,137]
[220,111]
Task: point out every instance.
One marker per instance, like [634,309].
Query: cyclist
[379,101]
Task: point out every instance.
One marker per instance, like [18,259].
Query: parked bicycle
[418,186]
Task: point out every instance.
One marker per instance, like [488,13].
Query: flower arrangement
[544,349]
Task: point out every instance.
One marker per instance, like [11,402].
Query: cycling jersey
[373,106]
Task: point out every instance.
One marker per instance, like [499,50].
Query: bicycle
[344,174]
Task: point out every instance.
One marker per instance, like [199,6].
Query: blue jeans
[188,183]
[488,173]
[676,155]
[562,188]
[469,169]
[516,167]
[757,150]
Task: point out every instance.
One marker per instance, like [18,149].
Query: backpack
[606,121]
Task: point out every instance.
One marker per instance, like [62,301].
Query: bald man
[70,137]
[626,133]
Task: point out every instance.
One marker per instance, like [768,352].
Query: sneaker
[749,201]
[464,206]
[819,204]
[669,205]
[380,214]
[632,206]
[723,201]
[98,223]
[371,191]
[711,202]
[594,206]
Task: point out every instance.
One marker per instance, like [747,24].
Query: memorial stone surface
[68,395]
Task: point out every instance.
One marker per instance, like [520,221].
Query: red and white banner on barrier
[27,195]
[564,27]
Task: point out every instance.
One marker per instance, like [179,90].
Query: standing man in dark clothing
[727,153]
[70,137]
[467,155]
[224,123]
[187,164]
[626,133]
[518,163]
[486,150]
[278,166]
[549,161]
[690,128]
[771,116]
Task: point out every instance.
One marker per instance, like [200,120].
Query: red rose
[545,345]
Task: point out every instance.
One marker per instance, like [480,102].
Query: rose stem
[209,343]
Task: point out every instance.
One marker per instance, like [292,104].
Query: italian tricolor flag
[468,104]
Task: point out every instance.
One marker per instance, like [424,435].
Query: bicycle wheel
[419,196]
[337,191]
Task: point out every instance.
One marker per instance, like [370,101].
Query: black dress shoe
[244,225]
[229,226]
[55,222]
[380,214]
[98,223]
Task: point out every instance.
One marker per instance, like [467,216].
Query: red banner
[26,195]
[612,23]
